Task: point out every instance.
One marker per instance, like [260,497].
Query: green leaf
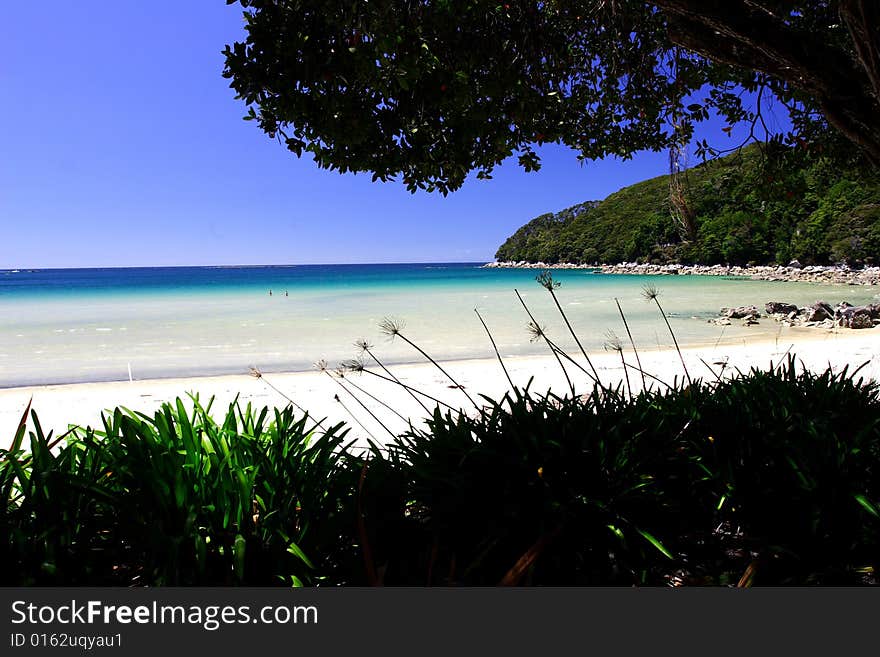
[867,505]
[295,550]
[238,552]
[656,543]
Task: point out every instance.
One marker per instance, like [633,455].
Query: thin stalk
[394,330]
[720,336]
[652,295]
[495,347]
[259,375]
[649,375]
[712,369]
[553,349]
[353,396]
[415,390]
[631,341]
[574,335]
[376,399]
[366,348]
[630,366]
[625,373]
[614,344]
[353,416]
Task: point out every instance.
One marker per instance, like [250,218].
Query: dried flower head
[353,365]
[612,342]
[321,365]
[391,326]
[545,279]
[256,373]
[363,345]
[650,292]
[535,332]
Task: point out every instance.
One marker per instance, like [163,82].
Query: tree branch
[736,33]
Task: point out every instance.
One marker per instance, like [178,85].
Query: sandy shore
[61,405]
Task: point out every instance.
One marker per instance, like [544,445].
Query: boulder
[819,311]
[855,317]
[779,308]
[795,264]
[742,312]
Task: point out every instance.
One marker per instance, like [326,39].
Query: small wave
[103,329]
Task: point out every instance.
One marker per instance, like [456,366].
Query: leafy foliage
[770,478]
[431,91]
[774,474]
[172,499]
[749,208]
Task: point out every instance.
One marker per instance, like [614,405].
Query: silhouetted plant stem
[576,364]
[712,369]
[539,332]
[353,396]
[495,347]
[353,416]
[357,366]
[365,346]
[626,374]
[257,374]
[547,282]
[651,294]
[613,343]
[393,329]
[632,343]
[649,375]
[354,385]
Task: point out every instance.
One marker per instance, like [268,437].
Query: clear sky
[122,145]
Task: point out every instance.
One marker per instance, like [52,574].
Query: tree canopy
[429,91]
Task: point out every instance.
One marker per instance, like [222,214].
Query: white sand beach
[82,403]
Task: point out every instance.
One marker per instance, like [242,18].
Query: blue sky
[122,145]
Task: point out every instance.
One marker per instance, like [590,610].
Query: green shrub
[775,474]
[769,478]
[175,499]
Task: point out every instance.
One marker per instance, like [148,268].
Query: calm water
[92,324]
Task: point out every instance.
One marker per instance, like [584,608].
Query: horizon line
[246,266]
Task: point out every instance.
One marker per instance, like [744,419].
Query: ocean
[78,325]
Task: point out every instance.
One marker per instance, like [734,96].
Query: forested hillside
[750,208]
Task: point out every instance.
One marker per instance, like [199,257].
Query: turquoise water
[76,325]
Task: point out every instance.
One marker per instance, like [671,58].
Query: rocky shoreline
[820,315]
[840,275]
